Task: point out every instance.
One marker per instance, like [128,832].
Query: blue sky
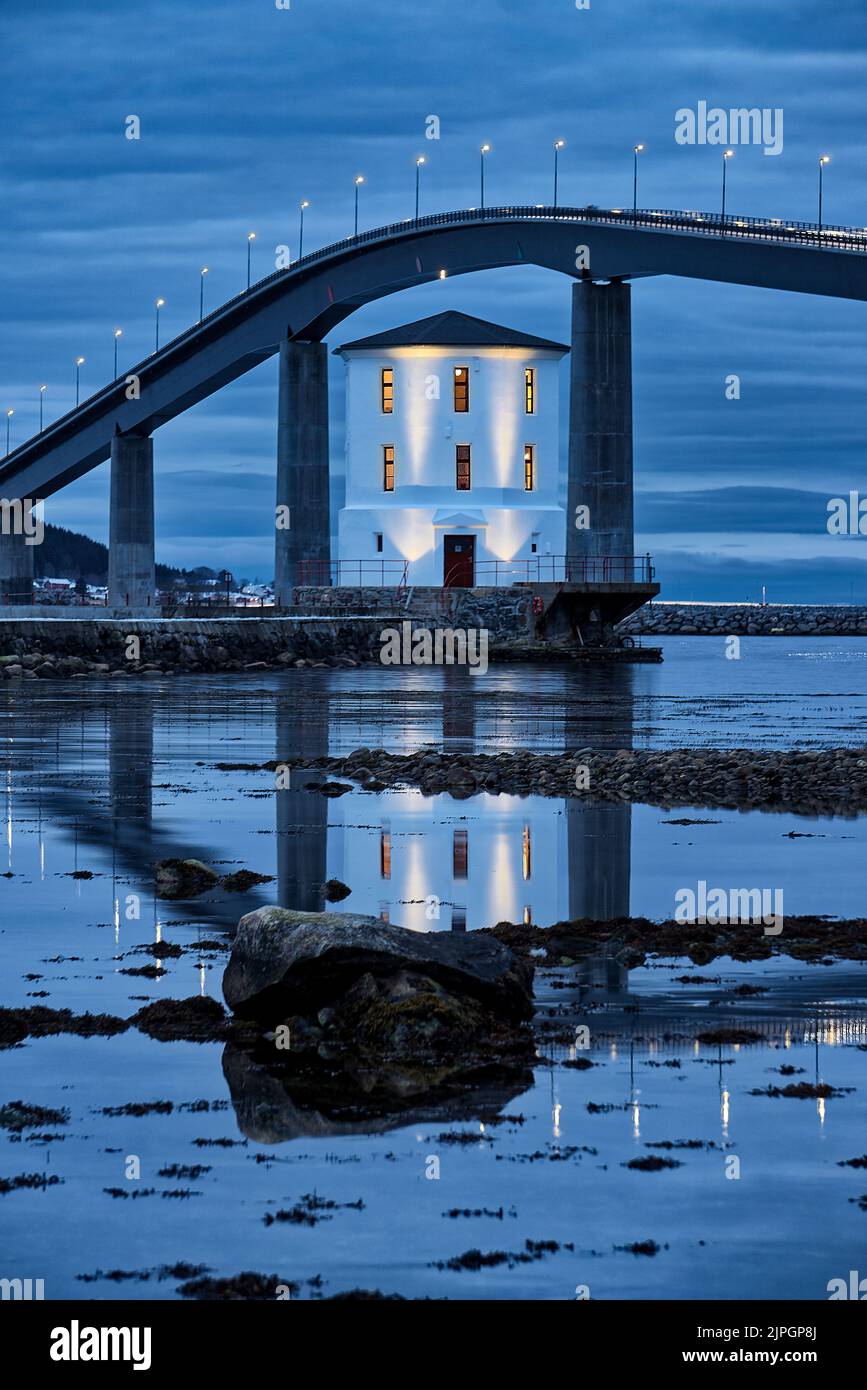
[245,109]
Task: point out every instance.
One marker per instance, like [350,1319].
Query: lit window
[460,854]
[529,467]
[378,539]
[527,854]
[462,390]
[530,390]
[388,468]
[463,470]
[528,916]
[385,854]
[388,390]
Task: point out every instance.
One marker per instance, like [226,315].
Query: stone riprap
[660,619]
[830,782]
[56,647]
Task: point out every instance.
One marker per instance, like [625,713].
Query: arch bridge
[290,312]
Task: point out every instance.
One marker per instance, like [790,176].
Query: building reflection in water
[438,863]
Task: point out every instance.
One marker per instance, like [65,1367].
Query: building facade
[452,456]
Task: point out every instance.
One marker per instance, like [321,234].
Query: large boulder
[286,964]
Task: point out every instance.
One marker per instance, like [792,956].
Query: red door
[459,562]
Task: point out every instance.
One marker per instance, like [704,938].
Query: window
[530,390]
[463,472]
[529,467]
[388,468]
[385,854]
[459,918]
[460,854]
[528,916]
[462,390]
[387,390]
[378,539]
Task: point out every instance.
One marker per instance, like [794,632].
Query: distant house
[452,454]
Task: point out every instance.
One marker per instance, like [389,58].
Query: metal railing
[780,230]
[391,574]
[564,569]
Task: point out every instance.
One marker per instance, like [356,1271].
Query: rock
[189,1020]
[334,891]
[334,788]
[285,963]
[243,880]
[183,878]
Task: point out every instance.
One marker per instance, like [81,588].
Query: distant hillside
[69,555]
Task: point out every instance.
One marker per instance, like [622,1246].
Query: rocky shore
[58,648]
[830,782]
[747,620]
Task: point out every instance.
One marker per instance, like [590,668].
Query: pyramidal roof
[451,329]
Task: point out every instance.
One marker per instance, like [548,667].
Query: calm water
[108,778]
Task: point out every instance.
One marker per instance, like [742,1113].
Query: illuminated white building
[452,454]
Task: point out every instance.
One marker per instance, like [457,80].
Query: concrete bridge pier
[600,421]
[16,558]
[303,534]
[131,572]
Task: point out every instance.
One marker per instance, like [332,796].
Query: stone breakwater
[831,782]
[69,648]
[747,620]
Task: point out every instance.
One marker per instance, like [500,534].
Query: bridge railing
[565,569]
[780,230]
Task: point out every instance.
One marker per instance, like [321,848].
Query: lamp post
[118,333]
[486,149]
[202,273]
[418,163]
[9,414]
[251,237]
[636,151]
[42,391]
[823,160]
[79,363]
[558,146]
[729,154]
[159,305]
[305,204]
[358,182]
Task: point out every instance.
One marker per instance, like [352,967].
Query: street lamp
[729,154]
[42,391]
[159,305]
[358,182]
[486,149]
[558,146]
[418,163]
[9,414]
[251,237]
[202,273]
[118,333]
[305,204]
[79,363]
[636,151]
[823,160]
